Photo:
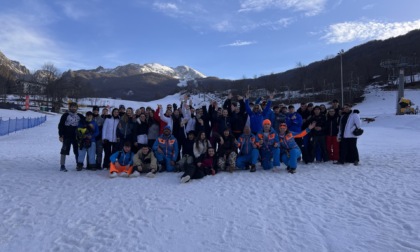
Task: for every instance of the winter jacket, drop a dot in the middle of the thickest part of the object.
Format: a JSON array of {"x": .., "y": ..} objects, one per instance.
[
  {"x": 100, "y": 122},
  {"x": 200, "y": 147},
  {"x": 295, "y": 124},
  {"x": 109, "y": 130},
  {"x": 267, "y": 142},
  {"x": 332, "y": 124},
  {"x": 229, "y": 145},
  {"x": 246, "y": 144},
  {"x": 256, "y": 118},
  {"x": 141, "y": 159},
  {"x": 348, "y": 123},
  {"x": 320, "y": 122},
  {"x": 287, "y": 140},
  {"x": 124, "y": 158},
  {"x": 169, "y": 146}
]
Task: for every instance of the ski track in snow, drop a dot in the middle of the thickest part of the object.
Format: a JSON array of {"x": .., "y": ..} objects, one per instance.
[{"x": 324, "y": 207}]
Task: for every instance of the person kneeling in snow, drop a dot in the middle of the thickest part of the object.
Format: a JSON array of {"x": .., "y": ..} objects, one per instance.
[
  {"x": 144, "y": 162},
  {"x": 248, "y": 152},
  {"x": 289, "y": 150},
  {"x": 122, "y": 162},
  {"x": 206, "y": 166},
  {"x": 166, "y": 150}
]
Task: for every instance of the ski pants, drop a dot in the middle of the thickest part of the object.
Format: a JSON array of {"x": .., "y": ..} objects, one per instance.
[
  {"x": 270, "y": 158},
  {"x": 165, "y": 160},
  {"x": 250, "y": 158},
  {"x": 123, "y": 168},
  {"x": 290, "y": 157}
]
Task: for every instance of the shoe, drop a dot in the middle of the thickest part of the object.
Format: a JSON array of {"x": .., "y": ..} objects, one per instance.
[
  {"x": 231, "y": 168},
  {"x": 79, "y": 166},
  {"x": 113, "y": 175},
  {"x": 292, "y": 171},
  {"x": 253, "y": 168},
  {"x": 276, "y": 169},
  {"x": 356, "y": 163},
  {"x": 338, "y": 162},
  {"x": 63, "y": 168},
  {"x": 123, "y": 174},
  {"x": 185, "y": 179},
  {"x": 134, "y": 174},
  {"x": 150, "y": 175},
  {"x": 288, "y": 168}
]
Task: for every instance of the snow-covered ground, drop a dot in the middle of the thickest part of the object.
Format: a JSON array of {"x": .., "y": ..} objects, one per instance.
[{"x": 324, "y": 207}]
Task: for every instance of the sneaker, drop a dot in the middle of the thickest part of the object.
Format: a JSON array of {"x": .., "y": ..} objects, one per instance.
[
  {"x": 288, "y": 168},
  {"x": 292, "y": 171},
  {"x": 276, "y": 169},
  {"x": 356, "y": 163},
  {"x": 134, "y": 174},
  {"x": 253, "y": 168},
  {"x": 150, "y": 175},
  {"x": 185, "y": 179},
  {"x": 63, "y": 168},
  {"x": 113, "y": 175},
  {"x": 124, "y": 174}
]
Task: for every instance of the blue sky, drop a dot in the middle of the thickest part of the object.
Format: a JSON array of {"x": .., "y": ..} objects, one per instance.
[{"x": 227, "y": 39}]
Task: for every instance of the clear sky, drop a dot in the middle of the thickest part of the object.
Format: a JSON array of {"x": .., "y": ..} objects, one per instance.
[{"x": 223, "y": 38}]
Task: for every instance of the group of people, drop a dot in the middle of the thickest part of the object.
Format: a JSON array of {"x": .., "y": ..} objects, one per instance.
[{"x": 206, "y": 140}]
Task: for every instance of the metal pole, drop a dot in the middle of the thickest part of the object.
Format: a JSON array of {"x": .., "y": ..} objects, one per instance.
[
  {"x": 341, "y": 67},
  {"x": 400, "y": 91}
]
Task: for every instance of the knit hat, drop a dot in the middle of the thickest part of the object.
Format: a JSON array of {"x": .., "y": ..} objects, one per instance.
[
  {"x": 95, "y": 108},
  {"x": 266, "y": 122},
  {"x": 167, "y": 127}
]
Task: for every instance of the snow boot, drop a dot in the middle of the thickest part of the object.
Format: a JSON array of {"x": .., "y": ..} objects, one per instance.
[
  {"x": 185, "y": 179},
  {"x": 113, "y": 175},
  {"x": 253, "y": 168},
  {"x": 79, "y": 166},
  {"x": 63, "y": 168}
]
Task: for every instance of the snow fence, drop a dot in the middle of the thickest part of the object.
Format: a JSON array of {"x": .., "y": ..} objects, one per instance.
[{"x": 13, "y": 125}]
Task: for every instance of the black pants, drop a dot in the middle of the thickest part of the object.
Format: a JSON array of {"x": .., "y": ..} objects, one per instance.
[
  {"x": 194, "y": 172},
  {"x": 67, "y": 143},
  {"x": 348, "y": 150},
  {"x": 109, "y": 149}
]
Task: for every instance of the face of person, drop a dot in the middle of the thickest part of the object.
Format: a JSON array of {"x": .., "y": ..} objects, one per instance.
[
  {"x": 143, "y": 117},
  {"x": 73, "y": 109},
  {"x": 317, "y": 111},
  {"x": 191, "y": 136},
  {"x": 225, "y": 113},
  {"x": 89, "y": 118},
  {"x": 127, "y": 148},
  {"x": 104, "y": 111},
  {"x": 145, "y": 150},
  {"x": 291, "y": 110},
  {"x": 95, "y": 112},
  {"x": 166, "y": 132},
  {"x": 115, "y": 112},
  {"x": 203, "y": 135},
  {"x": 226, "y": 132},
  {"x": 331, "y": 112},
  {"x": 129, "y": 112},
  {"x": 211, "y": 152},
  {"x": 247, "y": 130},
  {"x": 266, "y": 127}
]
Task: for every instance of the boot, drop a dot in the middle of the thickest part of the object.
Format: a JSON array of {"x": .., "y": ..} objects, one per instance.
[
  {"x": 79, "y": 166},
  {"x": 253, "y": 168}
]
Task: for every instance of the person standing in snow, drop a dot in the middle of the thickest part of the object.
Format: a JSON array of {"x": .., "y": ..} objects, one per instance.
[
  {"x": 109, "y": 136},
  {"x": 349, "y": 121},
  {"x": 67, "y": 128},
  {"x": 99, "y": 144},
  {"x": 86, "y": 137}
]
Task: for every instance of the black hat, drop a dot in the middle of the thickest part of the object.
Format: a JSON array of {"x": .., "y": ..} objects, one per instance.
[
  {"x": 122, "y": 106},
  {"x": 95, "y": 108},
  {"x": 191, "y": 132},
  {"x": 89, "y": 113}
]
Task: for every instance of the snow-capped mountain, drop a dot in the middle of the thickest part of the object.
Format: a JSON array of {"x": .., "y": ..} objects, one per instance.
[
  {"x": 179, "y": 72},
  {"x": 14, "y": 66}
]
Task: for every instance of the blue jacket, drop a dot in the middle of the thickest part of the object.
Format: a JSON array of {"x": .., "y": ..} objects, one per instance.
[
  {"x": 122, "y": 157},
  {"x": 287, "y": 141},
  {"x": 256, "y": 118},
  {"x": 90, "y": 129},
  {"x": 294, "y": 125},
  {"x": 245, "y": 144},
  {"x": 169, "y": 146},
  {"x": 267, "y": 143}
]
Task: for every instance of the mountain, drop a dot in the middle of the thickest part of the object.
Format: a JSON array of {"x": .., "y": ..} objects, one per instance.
[{"x": 15, "y": 67}]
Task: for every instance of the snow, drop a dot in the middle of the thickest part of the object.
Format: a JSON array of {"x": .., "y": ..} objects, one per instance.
[{"x": 324, "y": 207}]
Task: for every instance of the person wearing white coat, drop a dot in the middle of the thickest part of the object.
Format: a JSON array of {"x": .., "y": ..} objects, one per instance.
[
  {"x": 109, "y": 136},
  {"x": 349, "y": 121}
]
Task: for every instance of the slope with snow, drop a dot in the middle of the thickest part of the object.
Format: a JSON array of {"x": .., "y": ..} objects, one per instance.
[{"x": 324, "y": 207}]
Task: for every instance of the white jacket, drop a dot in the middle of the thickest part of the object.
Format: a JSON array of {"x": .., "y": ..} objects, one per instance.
[
  {"x": 352, "y": 122},
  {"x": 109, "y": 130}
]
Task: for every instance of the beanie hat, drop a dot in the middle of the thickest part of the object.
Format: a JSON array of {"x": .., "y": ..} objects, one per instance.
[
  {"x": 95, "y": 108},
  {"x": 266, "y": 122},
  {"x": 167, "y": 127}
]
